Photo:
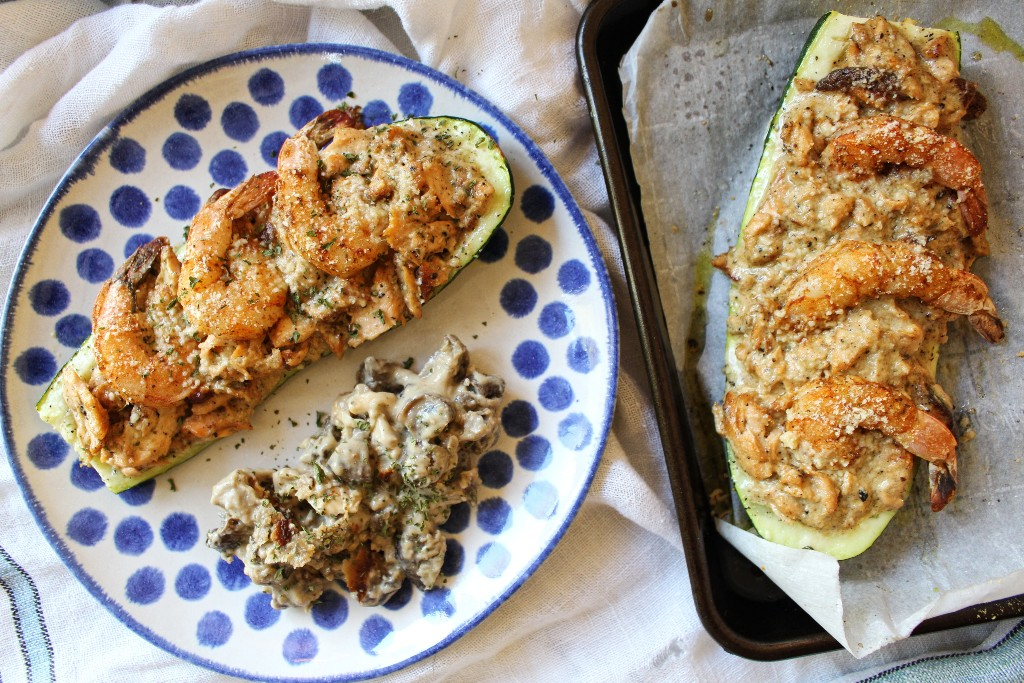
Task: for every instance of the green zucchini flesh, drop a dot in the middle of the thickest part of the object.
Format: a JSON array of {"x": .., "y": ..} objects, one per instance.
[
  {"x": 823, "y": 48},
  {"x": 470, "y": 144}
]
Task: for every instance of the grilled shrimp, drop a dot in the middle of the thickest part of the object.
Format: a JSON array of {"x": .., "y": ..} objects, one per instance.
[
  {"x": 870, "y": 144},
  {"x": 823, "y": 420},
  {"x": 826, "y": 414},
  {"x": 749, "y": 428},
  {"x": 139, "y": 339},
  {"x": 851, "y": 271},
  {"x": 340, "y": 240},
  {"x": 229, "y": 286}
]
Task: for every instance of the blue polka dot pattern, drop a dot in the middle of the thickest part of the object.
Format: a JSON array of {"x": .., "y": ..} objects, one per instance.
[
  {"x": 72, "y": 330},
  {"x": 533, "y": 254},
  {"x": 376, "y": 112},
  {"x": 232, "y": 575},
  {"x": 49, "y": 297},
  {"x": 303, "y": 110},
  {"x": 127, "y": 156},
  {"x": 87, "y": 526},
  {"x": 583, "y": 355},
  {"x": 145, "y": 586},
  {"x": 540, "y": 499},
  {"x": 228, "y": 168},
  {"x": 330, "y": 611},
  {"x": 458, "y": 519},
  {"x": 94, "y": 265},
  {"x": 496, "y": 247},
  {"x": 179, "y": 531},
  {"x": 47, "y": 450},
  {"x": 575, "y": 432},
  {"x": 492, "y": 559},
  {"x": 400, "y": 598},
  {"x": 555, "y": 394},
  {"x": 259, "y": 613},
  {"x": 518, "y": 297},
  {"x": 530, "y": 359},
  {"x": 181, "y": 151},
  {"x": 130, "y": 206},
  {"x": 518, "y": 418},
  {"x": 133, "y": 536},
  {"x": 35, "y": 366},
  {"x": 495, "y": 469},
  {"x": 214, "y": 629},
  {"x": 573, "y": 277},
  {"x": 373, "y": 632},
  {"x": 266, "y": 87},
  {"x": 537, "y": 203},
  {"x": 492, "y": 515},
  {"x": 300, "y": 646},
  {"x": 136, "y": 241},
  {"x": 334, "y": 81},
  {"x": 454, "y": 556},
  {"x": 437, "y": 603},
  {"x": 193, "y": 582},
  {"x": 139, "y": 494},
  {"x": 271, "y": 145},
  {"x": 192, "y": 112},
  {"x": 534, "y": 453},
  {"x": 239, "y": 121},
  {"x": 181, "y": 203},
  {"x": 414, "y": 99},
  {"x": 85, "y": 478},
  {"x": 80, "y": 223},
  {"x": 556, "y": 320}
]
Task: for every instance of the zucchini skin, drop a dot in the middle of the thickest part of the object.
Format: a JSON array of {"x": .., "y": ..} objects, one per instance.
[
  {"x": 480, "y": 148},
  {"x": 824, "y": 45}
]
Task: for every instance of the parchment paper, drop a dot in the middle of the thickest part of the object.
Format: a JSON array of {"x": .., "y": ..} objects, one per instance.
[{"x": 700, "y": 86}]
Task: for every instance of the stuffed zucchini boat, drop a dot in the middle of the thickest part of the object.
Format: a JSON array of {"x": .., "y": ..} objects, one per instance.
[
  {"x": 863, "y": 219},
  {"x": 356, "y": 230}
]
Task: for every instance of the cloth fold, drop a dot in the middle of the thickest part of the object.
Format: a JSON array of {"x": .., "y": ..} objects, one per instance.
[{"x": 613, "y": 601}]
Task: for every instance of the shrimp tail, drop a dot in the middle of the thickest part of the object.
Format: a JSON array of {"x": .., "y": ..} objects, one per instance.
[
  {"x": 942, "y": 481},
  {"x": 931, "y": 440},
  {"x": 942, "y": 477},
  {"x": 134, "y": 270},
  {"x": 988, "y": 325},
  {"x": 321, "y": 129}
]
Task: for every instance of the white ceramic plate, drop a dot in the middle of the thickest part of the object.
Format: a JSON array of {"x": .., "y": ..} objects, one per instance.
[{"x": 536, "y": 308}]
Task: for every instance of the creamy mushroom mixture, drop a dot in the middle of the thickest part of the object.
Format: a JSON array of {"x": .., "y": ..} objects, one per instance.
[{"x": 365, "y": 501}]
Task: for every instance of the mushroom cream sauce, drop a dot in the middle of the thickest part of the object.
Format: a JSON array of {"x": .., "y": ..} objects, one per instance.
[
  {"x": 365, "y": 500},
  {"x": 845, "y": 279}
]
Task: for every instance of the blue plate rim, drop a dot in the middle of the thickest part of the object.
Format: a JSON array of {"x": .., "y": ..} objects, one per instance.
[{"x": 82, "y": 167}]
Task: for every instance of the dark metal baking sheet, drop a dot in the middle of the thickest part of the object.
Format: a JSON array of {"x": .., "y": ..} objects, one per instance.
[{"x": 739, "y": 606}]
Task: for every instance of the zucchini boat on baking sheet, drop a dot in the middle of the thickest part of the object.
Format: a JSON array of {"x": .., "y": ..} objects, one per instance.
[
  {"x": 354, "y": 232},
  {"x": 864, "y": 217}
]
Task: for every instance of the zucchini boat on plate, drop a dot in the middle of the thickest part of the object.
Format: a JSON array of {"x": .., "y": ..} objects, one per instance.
[
  {"x": 863, "y": 220},
  {"x": 354, "y": 232}
]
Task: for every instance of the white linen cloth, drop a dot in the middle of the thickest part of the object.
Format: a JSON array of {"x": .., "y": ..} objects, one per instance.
[{"x": 613, "y": 601}]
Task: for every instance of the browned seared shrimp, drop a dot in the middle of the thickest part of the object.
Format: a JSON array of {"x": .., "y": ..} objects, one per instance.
[
  {"x": 851, "y": 271},
  {"x": 229, "y": 286},
  {"x": 340, "y": 240},
  {"x": 137, "y": 331},
  {"x": 748, "y": 427},
  {"x": 869, "y": 144},
  {"x": 826, "y": 415}
]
